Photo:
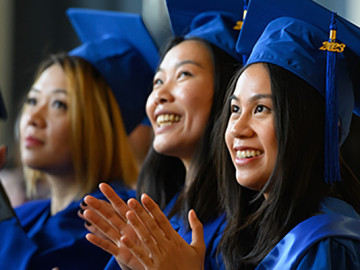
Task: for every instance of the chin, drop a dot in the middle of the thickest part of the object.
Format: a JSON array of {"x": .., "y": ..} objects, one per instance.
[{"x": 162, "y": 148}]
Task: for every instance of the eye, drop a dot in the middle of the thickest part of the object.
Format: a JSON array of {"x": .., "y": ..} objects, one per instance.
[
  {"x": 234, "y": 108},
  {"x": 183, "y": 74},
  {"x": 30, "y": 101},
  {"x": 157, "y": 81},
  {"x": 60, "y": 104},
  {"x": 261, "y": 108}
]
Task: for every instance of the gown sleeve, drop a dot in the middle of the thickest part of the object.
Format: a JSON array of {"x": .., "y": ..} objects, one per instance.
[{"x": 334, "y": 253}]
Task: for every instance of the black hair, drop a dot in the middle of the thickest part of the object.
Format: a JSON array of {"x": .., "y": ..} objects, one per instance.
[
  {"x": 296, "y": 186},
  {"x": 163, "y": 176}
]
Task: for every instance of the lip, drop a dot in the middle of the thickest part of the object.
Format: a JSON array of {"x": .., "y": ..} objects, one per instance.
[
  {"x": 246, "y": 161},
  {"x": 31, "y": 141},
  {"x": 163, "y": 111},
  {"x": 159, "y": 129}
]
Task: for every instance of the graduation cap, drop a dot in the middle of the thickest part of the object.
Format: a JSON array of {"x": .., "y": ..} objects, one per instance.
[
  {"x": 183, "y": 12},
  {"x": 119, "y": 46},
  {"x": 218, "y": 29},
  {"x": 3, "y": 113},
  {"x": 318, "y": 46}
]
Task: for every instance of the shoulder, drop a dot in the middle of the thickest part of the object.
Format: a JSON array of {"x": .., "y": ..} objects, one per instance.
[
  {"x": 316, "y": 239},
  {"x": 332, "y": 253},
  {"x": 31, "y": 209},
  {"x": 330, "y": 205}
]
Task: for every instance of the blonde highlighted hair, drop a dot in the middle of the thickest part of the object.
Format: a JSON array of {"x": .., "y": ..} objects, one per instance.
[{"x": 99, "y": 143}]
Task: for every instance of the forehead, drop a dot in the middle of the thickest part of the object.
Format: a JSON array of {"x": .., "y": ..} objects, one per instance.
[
  {"x": 188, "y": 50},
  {"x": 51, "y": 78},
  {"x": 254, "y": 79}
]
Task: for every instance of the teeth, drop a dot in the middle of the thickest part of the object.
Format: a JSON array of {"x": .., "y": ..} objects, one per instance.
[
  {"x": 167, "y": 119},
  {"x": 247, "y": 154}
]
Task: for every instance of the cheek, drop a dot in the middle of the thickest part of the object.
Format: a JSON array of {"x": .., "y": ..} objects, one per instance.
[
  {"x": 271, "y": 142},
  {"x": 149, "y": 106},
  {"x": 62, "y": 132}
]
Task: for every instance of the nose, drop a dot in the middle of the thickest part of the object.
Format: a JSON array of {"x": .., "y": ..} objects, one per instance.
[
  {"x": 163, "y": 94},
  {"x": 36, "y": 116},
  {"x": 241, "y": 127}
]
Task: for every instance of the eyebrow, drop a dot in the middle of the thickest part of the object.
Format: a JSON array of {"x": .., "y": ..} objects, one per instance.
[
  {"x": 184, "y": 63},
  {"x": 253, "y": 98},
  {"x": 188, "y": 62},
  {"x": 56, "y": 91}
]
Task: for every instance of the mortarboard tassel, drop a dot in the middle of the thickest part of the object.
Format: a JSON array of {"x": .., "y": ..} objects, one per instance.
[{"x": 332, "y": 166}]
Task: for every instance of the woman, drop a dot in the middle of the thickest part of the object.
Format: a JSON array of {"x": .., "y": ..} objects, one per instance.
[
  {"x": 72, "y": 135},
  {"x": 283, "y": 210},
  {"x": 178, "y": 173}
]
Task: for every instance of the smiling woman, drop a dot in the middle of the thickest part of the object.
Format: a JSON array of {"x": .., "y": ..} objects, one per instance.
[
  {"x": 179, "y": 172},
  {"x": 295, "y": 203},
  {"x": 180, "y": 103},
  {"x": 250, "y": 135}
]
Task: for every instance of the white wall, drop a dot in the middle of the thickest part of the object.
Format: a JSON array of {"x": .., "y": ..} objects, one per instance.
[{"x": 349, "y": 9}]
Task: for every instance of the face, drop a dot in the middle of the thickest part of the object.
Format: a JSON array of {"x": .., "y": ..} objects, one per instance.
[
  {"x": 181, "y": 100},
  {"x": 45, "y": 124},
  {"x": 250, "y": 134}
]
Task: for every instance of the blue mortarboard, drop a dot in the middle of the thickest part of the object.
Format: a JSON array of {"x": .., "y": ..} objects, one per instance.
[
  {"x": 183, "y": 12},
  {"x": 300, "y": 43},
  {"x": 3, "y": 113},
  {"x": 119, "y": 46},
  {"x": 218, "y": 29}
]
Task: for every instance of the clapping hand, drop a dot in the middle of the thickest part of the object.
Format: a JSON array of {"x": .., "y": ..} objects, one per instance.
[
  {"x": 106, "y": 223},
  {"x": 161, "y": 246}
]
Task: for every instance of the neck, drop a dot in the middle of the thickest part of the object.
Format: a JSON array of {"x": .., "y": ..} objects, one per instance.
[
  {"x": 64, "y": 189},
  {"x": 187, "y": 169}
]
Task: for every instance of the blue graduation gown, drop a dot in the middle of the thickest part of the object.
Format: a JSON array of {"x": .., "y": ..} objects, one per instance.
[
  {"x": 37, "y": 240},
  {"x": 327, "y": 241},
  {"x": 212, "y": 234}
]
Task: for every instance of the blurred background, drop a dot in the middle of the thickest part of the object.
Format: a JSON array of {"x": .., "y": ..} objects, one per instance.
[{"x": 30, "y": 30}]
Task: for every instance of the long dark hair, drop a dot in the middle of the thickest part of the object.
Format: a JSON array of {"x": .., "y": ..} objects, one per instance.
[
  {"x": 162, "y": 176},
  {"x": 296, "y": 186}
]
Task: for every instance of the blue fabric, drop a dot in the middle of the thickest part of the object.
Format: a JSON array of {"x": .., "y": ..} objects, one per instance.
[
  {"x": 37, "y": 240},
  {"x": 183, "y": 12},
  {"x": 213, "y": 231},
  {"x": 217, "y": 28},
  {"x": 119, "y": 46},
  {"x": 327, "y": 241}
]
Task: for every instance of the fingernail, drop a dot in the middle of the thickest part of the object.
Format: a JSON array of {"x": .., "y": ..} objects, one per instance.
[
  {"x": 83, "y": 203},
  {"x": 87, "y": 223},
  {"x": 81, "y": 211}
]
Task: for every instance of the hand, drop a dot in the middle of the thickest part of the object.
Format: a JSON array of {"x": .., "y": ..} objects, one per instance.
[
  {"x": 107, "y": 222},
  {"x": 161, "y": 246}
]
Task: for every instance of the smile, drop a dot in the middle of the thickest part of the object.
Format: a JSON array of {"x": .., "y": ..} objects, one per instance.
[
  {"x": 247, "y": 154},
  {"x": 164, "y": 120}
]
